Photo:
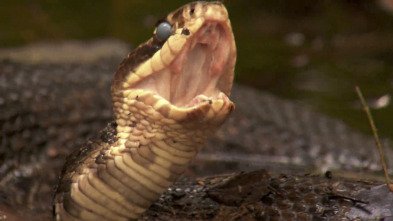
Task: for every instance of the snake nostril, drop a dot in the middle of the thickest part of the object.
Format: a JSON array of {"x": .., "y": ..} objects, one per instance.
[{"x": 185, "y": 31}]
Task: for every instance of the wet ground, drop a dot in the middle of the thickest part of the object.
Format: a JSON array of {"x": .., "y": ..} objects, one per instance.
[{"x": 49, "y": 109}]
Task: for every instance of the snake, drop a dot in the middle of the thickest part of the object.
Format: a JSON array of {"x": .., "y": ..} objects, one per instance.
[
  {"x": 48, "y": 108},
  {"x": 169, "y": 95}
]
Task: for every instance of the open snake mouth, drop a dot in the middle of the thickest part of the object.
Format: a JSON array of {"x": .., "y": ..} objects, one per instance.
[
  {"x": 199, "y": 72},
  {"x": 187, "y": 72},
  {"x": 198, "y": 69},
  {"x": 193, "y": 66}
]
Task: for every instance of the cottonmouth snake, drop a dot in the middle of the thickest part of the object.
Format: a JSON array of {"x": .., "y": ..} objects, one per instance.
[
  {"x": 275, "y": 133},
  {"x": 169, "y": 95}
]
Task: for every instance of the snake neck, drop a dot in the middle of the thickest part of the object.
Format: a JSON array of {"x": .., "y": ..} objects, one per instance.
[{"x": 146, "y": 121}]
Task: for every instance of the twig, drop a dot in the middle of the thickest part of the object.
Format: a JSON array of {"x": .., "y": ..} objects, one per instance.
[{"x": 376, "y": 137}]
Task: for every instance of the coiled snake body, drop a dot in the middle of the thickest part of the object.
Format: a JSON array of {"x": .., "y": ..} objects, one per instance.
[{"x": 168, "y": 97}]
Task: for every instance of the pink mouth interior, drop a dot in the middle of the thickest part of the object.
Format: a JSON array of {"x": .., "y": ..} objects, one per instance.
[{"x": 194, "y": 76}]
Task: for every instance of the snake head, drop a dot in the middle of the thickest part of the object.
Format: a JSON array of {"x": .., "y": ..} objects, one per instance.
[{"x": 185, "y": 72}]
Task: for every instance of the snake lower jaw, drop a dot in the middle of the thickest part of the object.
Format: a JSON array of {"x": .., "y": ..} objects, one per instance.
[
  {"x": 209, "y": 110},
  {"x": 218, "y": 103}
]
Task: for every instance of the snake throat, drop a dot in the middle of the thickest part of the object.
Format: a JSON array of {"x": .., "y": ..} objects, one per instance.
[{"x": 168, "y": 98}]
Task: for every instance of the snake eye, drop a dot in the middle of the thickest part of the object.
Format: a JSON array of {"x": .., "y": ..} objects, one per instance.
[{"x": 164, "y": 30}]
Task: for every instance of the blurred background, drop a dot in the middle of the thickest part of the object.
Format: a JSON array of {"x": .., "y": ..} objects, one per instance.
[{"x": 310, "y": 51}]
